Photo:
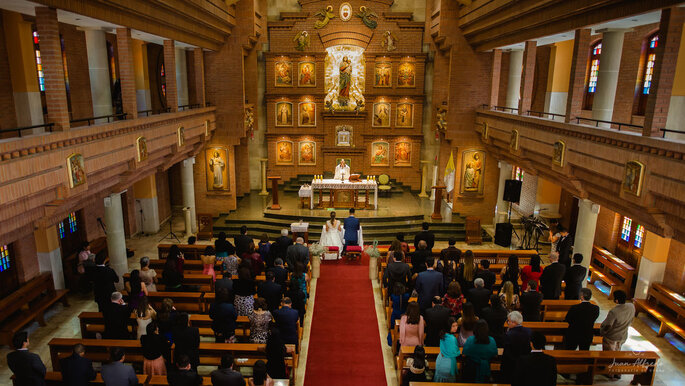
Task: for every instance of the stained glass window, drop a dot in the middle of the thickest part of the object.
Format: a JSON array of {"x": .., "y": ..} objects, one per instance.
[
  {"x": 625, "y": 228},
  {"x": 518, "y": 174},
  {"x": 60, "y": 229},
  {"x": 649, "y": 69},
  {"x": 72, "y": 222},
  {"x": 639, "y": 236},
  {"x": 39, "y": 62},
  {"x": 594, "y": 67},
  {"x": 4, "y": 258}
]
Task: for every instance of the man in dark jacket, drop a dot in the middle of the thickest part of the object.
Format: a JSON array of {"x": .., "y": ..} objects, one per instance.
[
  {"x": 550, "y": 280},
  {"x": 280, "y": 273},
  {"x": 116, "y": 373},
  {"x": 581, "y": 323},
  {"x": 186, "y": 339},
  {"x": 489, "y": 277},
  {"x": 536, "y": 368},
  {"x": 429, "y": 284},
  {"x": 419, "y": 257},
  {"x": 397, "y": 271},
  {"x": 516, "y": 344},
  {"x": 451, "y": 253},
  {"x": 103, "y": 279},
  {"x": 27, "y": 367},
  {"x": 270, "y": 291},
  {"x": 225, "y": 375},
  {"x": 117, "y": 315},
  {"x": 242, "y": 242},
  {"x": 574, "y": 278},
  {"x": 280, "y": 246},
  {"x": 479, "y": 296},
  {"x": 287, "y": 321},
  {"x": 530, "y": 302},
  {"x": 426, "y": 236},
  {"x": 183, "y": 375},
  {"x": 77, "y": 370},
  {"x": 564, "y": 246},
  {"x": 495, "y": 315},
  {"x": 436, "y": 320},
  {"x": 297, "y": 252}
]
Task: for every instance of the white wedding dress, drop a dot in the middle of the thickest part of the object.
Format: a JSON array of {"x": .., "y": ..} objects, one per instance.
[{"x": 332, "y": 237}]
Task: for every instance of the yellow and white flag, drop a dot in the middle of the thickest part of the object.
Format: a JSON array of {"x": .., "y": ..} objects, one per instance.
[{"x": 450, "y": 171}]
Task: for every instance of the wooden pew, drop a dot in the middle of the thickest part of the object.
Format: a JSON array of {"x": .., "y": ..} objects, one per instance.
[
  {"x": 183, "y": 301},
  {"x": 194, "y": 266},
  {"x": 54, "y": 378},
  {"x": 667, "y": 306},
  {"x": 190, "y": 252},
  {"x": 203, "y": 282},
  {"x": 613, "y": 271},
  {"x": 28, "y": 304}
]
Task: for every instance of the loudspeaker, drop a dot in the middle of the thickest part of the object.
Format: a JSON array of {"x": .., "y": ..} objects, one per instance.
[
  {"x": 512, "y": 190},
  {"x": 503, "y": 234}
]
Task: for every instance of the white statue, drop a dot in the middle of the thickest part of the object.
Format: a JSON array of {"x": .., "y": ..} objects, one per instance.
[
  {"x": 342, "y": 171},
  {"x": 217, "y": 165}
]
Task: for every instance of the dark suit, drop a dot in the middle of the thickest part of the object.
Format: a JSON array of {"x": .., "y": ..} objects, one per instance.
[
  {"x": 224, "y": 282},
  {"x": 77, "y": 370},
  {"x": 227, "y": 377},
  {"x": 280, "y": 275},
  {"x": 271, "y": 292},
  {"x": 436, "y": 320},
  {"x": 351, "y": 226},
  {"x": 564, "y": 246},
  {"x": 184, "y": 378},
  {"x": 418, "y": 260},
  {"x": 581, "y": 321},
  {"x": 428, "y": 284},
  {"x": 574, "y": 281},
  {"x": 396, "y": 272},
  {"x": 550, "y": 280},
  {"x": 426, "y": 236},
  {"x": 495, "y": 317},
  {"x": 280, "y": 247},
  {"x": 187, "y": 341},
  {"x": 450, "y": 253},
  {"x": 117, "y": 319},
  {"x": 536, "y": 368},
  {"x": 516, "y": 344},
  {"x": 286, "y": 319},
  {"x": 480, "y": 297},
  {"x": 27, "y": 367},
  {"x": 489, "y": 277},
  {"x": 295, "y": 253},
  {"x": 103, "y": 284},
  {"x": 530, "y": 305},
  {"x": 242, "y": 244},
  {"x": 118, "y": 374}
]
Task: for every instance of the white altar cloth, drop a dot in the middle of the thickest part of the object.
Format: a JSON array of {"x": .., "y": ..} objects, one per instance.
[{"x": 331, "y": 183}]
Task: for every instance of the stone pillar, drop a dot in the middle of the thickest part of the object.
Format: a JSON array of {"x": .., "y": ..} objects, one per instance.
[
  {"x": 652, "y": 264},
  {"x": 140, "y": 64},
  {"x": 188, "y": 186},
  {"x": 576, "y": 85},
  {"x": 170, "y": 75},
  {"x": 127, "y": 72},
  {"x": 199, "y": 67},
  {"x": 145, "y": 193},
  {"x": 676, "y": 110},
  {"x": 49, "y": 254},
  {"x": 264, "y": 192},
  {"x": 116, "y": 238},
  {"x": 559, "y": 72},
  {"x": 181, "y": 76},
  {"x": 502, "y": 208},
  {"x": 607, "y": 77},
  {"x": 495, "y": 76},
  {"x": 585, "y": 230},
  {"x": 514, "y": 85},
  {"x": 670, "y": 33},
  {"x": 98, "y": 69},
  {"x": 53, "y": 67},
  {"x": 527, "y": 77}
]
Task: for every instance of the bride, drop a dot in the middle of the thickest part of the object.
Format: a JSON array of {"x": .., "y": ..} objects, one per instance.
[{"x": 331, "y": 235}]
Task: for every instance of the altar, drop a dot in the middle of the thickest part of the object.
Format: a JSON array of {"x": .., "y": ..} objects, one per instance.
[{"x": 344, "y": 194}]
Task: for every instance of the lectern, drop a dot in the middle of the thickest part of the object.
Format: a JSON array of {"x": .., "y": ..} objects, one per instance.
[
  {"x": 274, "y": 192},
  {"x": 438, "y": 203}
]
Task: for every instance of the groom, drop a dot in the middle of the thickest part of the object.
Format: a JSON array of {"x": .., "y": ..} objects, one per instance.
[{"x": 351, "y": 225}]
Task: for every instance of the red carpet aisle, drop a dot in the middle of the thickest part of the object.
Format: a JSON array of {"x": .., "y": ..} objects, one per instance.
[{"x": 344, "y": 347}]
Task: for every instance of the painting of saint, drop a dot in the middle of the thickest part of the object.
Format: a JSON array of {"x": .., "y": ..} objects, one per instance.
[
  {"x": 559, "y": 153},
  {"x": 307, "y": 114},
  {"x": 181, "y": 134},
  {"x": 141, "y": 146},
  {"x": 307, "y": 155},
  {"x": 345, "y": 81},
  {"x": 307, "y": 74},
  {"x": 383, "y": 76},
  {"x": 514, "y": 141},
  {"x": 473, "y": 163},
  {"x": 76, "y": 169},
  {"x": 217, "y": 168},
  {"x": 406, "y": 75},
  {"x": 284, "y": 153},
  {"x": 381, "y": 115},
  {"x": 632, "y": 177},
  {"x": 403, "y": 154},
  {"x": 284, "y": 114},
  {"x": 284, "y": 74},
  {"x": 380, "y": 154},
  {"x": 405, "y": 115}
]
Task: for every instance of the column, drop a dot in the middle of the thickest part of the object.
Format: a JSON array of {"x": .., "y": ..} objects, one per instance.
[
  {"x": 576, "y": 85},
  {"x": 495, "y": 77},
  {"x": 199, "y": 65},
  {"x": 181, "y": 76},
  {"x": 585, "y": 230},
  {"x": 127, "y": 72},
  {"x": 502, "y": 208},
  {"x": 143, "y": 97},
  {"x": 116, "y": 238},
  {"x": 49, "y": 254},
  {"x": 98, "y": 69},
  {"x": 145, "y": 193},
  {"x": 514, "y": 85},
  {"x": 559, "y": 73},
  {"x": 188, "y": 185},
  {"x": 676, "y": 110},
  {"x": 170, "y": 75},
  {"x": 53, "y": 67},
  {"x": 653, "y": 262},
  {"x": 262, "y": 165},
  {"x": 607, "y": 77},
  {"x": 527, "y": 77},
  {"x": 22, "y": 66},
  {"x": 670, "y": 33},
  {"x": 424, "y": 177}
]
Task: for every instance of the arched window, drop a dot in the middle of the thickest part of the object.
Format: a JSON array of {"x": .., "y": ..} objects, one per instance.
[
  {"x": 645, "y": 84},
  {"x": 593, "y": 72}
]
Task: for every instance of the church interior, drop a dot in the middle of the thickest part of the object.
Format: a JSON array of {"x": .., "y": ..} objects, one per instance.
[{"x": 517, "y": 130}]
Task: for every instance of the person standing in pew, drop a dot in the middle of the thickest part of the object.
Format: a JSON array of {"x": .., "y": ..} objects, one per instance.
[
  {"x": 287, "y": 321},
  {"x": 156, "y": 351},
  {"x": 489, "y": 277},
  {"x": 280, "y": 246},
  {"x": 451, "y": 253},
  {"x": 425, "y": 235},
  {"x": 223, "y": 247},
  {"x": 27, "y": 367},
  {"x": 466, "y": 273},
  {"x": 226, "y": 282},
  {"x": 271, "y": 291},
  {"x": 186, "y": 339},
  {"x": 420, "y": 257},
  {"x": 280, "y": 273},
  {"x": 531, "y": 300},
  {"x": 147, "y": 274},
  {"x": 574, "y": 278},
  {"x": 297, "y": 252},
  {"x": 614, "y": 328},
  {"x": 412, "y": 326},
  {"x": 172, "y": 277},
  {"x": 516, "y": 344},
  {"x": 436, "y": 320},
  {"x": 532, "y": 272},
  {"x": 103, "y": 279},
  {"x": 479, "y": 350},
  {"x": 184, "y": 374},
  {"x": 552, "y": 275},
  {"x": 275, "y": 354},
  {"x": 397, "y": 271},
  {"x": 260, "y": 319},
  {"x": 116, "y": 373},
  {"x": 76, "y": 369},
  {"x": 478, "y": 296},
  {"x": 117, "y": 315},
  {"x": 429, "y": 284},
  {"x": 446, "y": 369},
  {"x": 259, "y": 375},
  {"x": 417, "y": 367},
  {"x": 244, "y": 289},
  {"x": 536, "y": 368},
  {"x": 511, "y": 272},
  {"x": 581, "y": 322},
  {"x": 242, "y": 242},
  {"x": 495, "y": 315},
  {"x": 225, "y": 375},
  {"x": 564, "y": 246},
  {"x": 223, "y": 317}
]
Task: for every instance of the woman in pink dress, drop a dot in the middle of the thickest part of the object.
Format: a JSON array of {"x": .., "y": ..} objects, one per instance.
[
  {"x": 208, "y": 260},
  {"x": 412, "y": 326}
]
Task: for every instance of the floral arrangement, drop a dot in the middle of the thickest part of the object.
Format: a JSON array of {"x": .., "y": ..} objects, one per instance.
[
  {"x": 316, "y": 249},
  {"x": 372, "y": 250}
]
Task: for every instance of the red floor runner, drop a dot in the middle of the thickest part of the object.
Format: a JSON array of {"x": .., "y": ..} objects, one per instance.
[{"x": 344, "y": 346}]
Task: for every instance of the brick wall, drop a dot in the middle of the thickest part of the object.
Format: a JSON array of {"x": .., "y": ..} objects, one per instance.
[
  {"x": 77, "y": 66},
  {"x": 541, "y": 75},
  {"x": 504, "y": 79},
  {"x": 190, "y": 66},
  {"x": 608, "y": 224},
  {"x": 529, "y": 189},
  {"x": 8, "y": 118},
  {"x": 26, "y": 258},
  {"x": 674, "y": 277}
]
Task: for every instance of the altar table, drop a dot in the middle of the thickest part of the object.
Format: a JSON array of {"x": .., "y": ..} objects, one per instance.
[{"x": 344, "y": 193}]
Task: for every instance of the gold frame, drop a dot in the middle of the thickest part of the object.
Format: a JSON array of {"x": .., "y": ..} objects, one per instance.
[
  {"x": 641, "y": 168},
  {"x": 514, "y": 140},
  {"x": 394, "y": 154},
  {"x": 399, "y": 67},
  {"x": 299, "y": 114},
  {"x": 375, "y": 72},
  {"x": 462, "y": 180},
  {"x": 397, "y": 114},
  {"x": 209, "y": 173},
  {"x": 299, "y": 153},
  {"x": 387, "y": 145},
  {"x": 292, "y": 118},
  {"x": 82, "y": 164},
  {"x": 299, "y": 68},
  {"x": 181, "y": 136},
  {"x": 562, "y": 159},
  {"x": 292, "y": 153},
  {"x": 373, "y": 114},
  {"x": 139, "y": 154},
  {"x": 276, "y": 76}
]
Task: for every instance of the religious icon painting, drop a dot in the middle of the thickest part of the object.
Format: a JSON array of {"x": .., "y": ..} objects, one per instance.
[
  {"x": 383, "y": 74},
  {"x": 307, "y": 114},
  {"x": 306, "y": 74},
  {"x": 514, "y": 141},
  {"x": 217, "y": 168},
  {"x": 403, "y": 153},
  {"x": 633, "y": 177},
  {"x": 284, "y": 152},
  {"x": 405, "y": 115},
  {"x": 473, "y": 167},
  {"x": 381, "y": 115},
  {"x": 380, "y": 153},
  {"x": 306, "y": 153},
  {"x": 284, "y": 114},
  {"x": 76, "y": 169},
  {"x": 284, "y": 73},
  {"x": 345, "y": 11},
  {"x": 559, "y": 153},
  {"x": 406, "y": 75},
  {"x": 181, "y": 136},
  {"x": 141, "y": 148}
]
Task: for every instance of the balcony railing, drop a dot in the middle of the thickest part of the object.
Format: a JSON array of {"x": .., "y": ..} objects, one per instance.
[
  {"x": 598, "y": 121},
  {"x": 153, "y": 112},
  {"x": 664, "y": 131},
  {"x": 542, "y": 114},
  {"x": 47, "y": 126},
  {"x": 91, "y": 120}
]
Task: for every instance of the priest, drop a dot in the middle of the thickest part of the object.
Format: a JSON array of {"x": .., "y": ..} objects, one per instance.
[{"x": 342, "y": 171}]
